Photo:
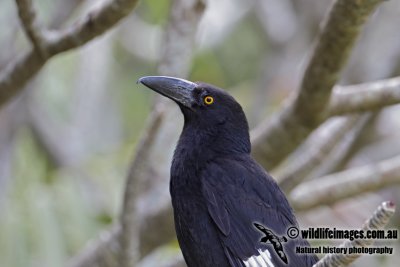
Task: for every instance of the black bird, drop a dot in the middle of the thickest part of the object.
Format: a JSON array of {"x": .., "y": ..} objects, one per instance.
[{"x": 218, "y": 190}]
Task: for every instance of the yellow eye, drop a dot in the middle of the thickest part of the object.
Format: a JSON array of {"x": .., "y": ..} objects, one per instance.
[{"x": 208, "y": 100}]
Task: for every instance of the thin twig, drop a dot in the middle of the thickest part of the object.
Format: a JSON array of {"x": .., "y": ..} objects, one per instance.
[
  {"x": 274, "y": 139},
  {"x": 321, "y": 144},
  {"x": 102, "y": 252},
  {"x": 164, "y": 256},
  {"x": 346, "y": 147},
  {"x": 27, "y": 15},
  {"x": 364, "y": 97},
  {"x": 331, "y": 188},
  {"x": 130, "y": 222},
  {"x": 377, "y": 221}
]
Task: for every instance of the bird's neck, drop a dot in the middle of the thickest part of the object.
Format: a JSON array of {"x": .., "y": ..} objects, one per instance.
[
  {"x": 197, "y": 147},
  {"x": 204, "y": 143}
]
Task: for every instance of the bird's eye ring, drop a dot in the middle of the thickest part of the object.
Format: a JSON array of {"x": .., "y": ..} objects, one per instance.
[{"x": 208, "y": 100}]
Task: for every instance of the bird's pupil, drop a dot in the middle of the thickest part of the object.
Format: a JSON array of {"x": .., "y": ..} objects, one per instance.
[{"x": 208, "y": 100}]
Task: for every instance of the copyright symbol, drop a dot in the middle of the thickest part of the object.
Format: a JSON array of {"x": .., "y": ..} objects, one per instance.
[{"x": 292, "y": 232}]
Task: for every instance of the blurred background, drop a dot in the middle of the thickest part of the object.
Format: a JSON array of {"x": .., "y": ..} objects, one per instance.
[{"x": 67, "y": 141}]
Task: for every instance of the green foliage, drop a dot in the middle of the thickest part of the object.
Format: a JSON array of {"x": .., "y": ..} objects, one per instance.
[
  {"x": 44, "y": 224},
  {"x": 154, "y": 11},
  {"x": 241, "y": 54}
]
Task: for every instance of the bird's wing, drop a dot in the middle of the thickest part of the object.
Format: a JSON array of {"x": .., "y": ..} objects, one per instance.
[{"x": 238, "y": 193}]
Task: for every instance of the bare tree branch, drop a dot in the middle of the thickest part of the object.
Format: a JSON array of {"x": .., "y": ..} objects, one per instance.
[
  {"x": 95, "y": 23},
  {"x": 178, "y": 50},
  {"x": 165, "y": 256},
  {"x": 377, "y": 221},
  {"x": 346, "y": 147},
  {"x": 364, "y": 97},
  {"x": 106, "y": 252},
  {"x": 345, "y": 99},
  {"x": 102, "y": 252},
  {"x": 27, "y": 16},
  {"x": 322, "y": 143},
  {"x": 129, "y": 219},
  {"x": 273, "y": 140},
  {"x": 179, "y": 39},
  {"x": 181, "y": 29},
  {"x": 331, "y": 188}
]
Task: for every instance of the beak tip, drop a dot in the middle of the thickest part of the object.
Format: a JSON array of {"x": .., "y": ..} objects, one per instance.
[{"x": 140, "y": 80}]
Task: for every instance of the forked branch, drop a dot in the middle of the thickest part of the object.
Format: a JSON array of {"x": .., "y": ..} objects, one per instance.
[{"x": 276, "y": 138}]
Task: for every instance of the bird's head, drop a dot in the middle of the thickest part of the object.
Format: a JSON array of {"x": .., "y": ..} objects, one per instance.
[{"x": 207, "y": 109}]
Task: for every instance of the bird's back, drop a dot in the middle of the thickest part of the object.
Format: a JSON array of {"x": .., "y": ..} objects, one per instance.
[{"x": 215, "y": 212}]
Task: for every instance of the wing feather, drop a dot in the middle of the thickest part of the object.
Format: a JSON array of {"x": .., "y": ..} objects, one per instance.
[
  {"x": 237, "y": 195},
  {"x": 217, "y": 212}
]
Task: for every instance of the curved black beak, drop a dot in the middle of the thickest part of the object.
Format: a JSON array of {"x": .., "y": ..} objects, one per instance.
[{"x": 179, "y": 90}]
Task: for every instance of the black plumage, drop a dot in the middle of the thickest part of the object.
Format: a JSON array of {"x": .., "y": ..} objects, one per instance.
[{"x": 218, "y": 190}]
